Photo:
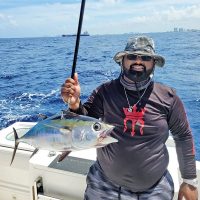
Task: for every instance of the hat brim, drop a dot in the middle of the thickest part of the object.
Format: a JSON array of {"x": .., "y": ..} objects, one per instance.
[{"x": 159, "y": 60}]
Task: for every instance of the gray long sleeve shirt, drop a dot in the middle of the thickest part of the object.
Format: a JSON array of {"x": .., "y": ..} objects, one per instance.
[{"x": 140, "y": 158}]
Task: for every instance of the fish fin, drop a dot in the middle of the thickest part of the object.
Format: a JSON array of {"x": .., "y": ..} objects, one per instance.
[
  {"x": 63, "y": 155},
  {"x": 34, "y": 152},
  {"x": 16, "y": 145},
  {"x": 63, "y": 114},
  {"x": 68, "y": 114},
  {"x": 65, "y": 130}
]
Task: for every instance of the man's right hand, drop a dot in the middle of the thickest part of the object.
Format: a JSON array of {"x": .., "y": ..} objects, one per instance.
[{"x": 70, "y": 92}]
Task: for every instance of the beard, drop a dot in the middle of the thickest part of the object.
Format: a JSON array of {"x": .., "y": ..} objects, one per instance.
[{"x": 137, "y": 75}]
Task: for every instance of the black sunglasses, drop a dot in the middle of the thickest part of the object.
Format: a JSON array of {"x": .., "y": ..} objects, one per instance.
[{"x": 142, "y": 57}]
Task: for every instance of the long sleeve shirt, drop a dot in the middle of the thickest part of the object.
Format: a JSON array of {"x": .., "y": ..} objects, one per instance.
[{"x": 140, "y": 157}]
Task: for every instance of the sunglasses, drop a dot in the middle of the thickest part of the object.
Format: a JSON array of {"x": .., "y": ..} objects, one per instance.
[{"x": 142, "y": 57}]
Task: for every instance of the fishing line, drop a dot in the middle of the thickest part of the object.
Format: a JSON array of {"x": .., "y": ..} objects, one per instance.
[{"x": 78, "y": 37}]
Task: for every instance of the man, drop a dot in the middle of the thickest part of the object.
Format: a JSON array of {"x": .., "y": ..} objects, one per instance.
[{"x": 142, "y": 112}]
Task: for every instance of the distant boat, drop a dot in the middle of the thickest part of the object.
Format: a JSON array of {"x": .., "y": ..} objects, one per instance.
[{"x": 73, "y": 35}]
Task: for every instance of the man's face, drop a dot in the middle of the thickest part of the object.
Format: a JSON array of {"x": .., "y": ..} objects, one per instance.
[{"x": 137, "y": 67}]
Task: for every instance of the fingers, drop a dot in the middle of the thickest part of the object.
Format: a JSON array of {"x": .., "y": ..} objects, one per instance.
[
  {"x": 74, "y": 80},
  {"x": 187, "y": 192},
  {"x": 70, "y": 90},
  {"x": 69, "y": 87},
  {"x": 180, "y": 196}
]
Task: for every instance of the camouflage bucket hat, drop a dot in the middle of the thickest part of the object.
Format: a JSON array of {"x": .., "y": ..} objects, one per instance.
[{"x": 141, "y": 45}]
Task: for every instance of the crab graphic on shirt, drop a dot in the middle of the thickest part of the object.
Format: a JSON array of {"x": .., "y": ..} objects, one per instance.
[{"x": 136, "y": 118}]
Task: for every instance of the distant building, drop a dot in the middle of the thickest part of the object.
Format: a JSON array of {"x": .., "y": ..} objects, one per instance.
[
  {"x": 175, "y": 29},
  {"x": 193, "y": 30},
  {"x": 178, "y": 29}
]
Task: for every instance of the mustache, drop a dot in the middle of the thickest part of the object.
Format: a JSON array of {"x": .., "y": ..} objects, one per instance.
[{"x": 133, "y": 65}]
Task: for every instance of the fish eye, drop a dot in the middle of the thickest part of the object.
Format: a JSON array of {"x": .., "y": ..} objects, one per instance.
[{"x": 97, "y": 126}]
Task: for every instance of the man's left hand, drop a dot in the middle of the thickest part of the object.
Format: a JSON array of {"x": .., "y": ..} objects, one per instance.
[{"x": 188, "y": 192}]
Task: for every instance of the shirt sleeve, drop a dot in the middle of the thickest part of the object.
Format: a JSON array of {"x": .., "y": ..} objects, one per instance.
[
  {"x": 181, "y": 132},
  {"x": 93, "y": 107}
]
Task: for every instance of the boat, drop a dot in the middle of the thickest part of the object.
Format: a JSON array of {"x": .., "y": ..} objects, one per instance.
[
  {"x": 42, "y": 178},
  {"x": 73, "y": 35}
]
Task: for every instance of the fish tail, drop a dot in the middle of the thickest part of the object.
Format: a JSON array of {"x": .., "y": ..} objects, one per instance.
[{"x": 16, "y": 145}]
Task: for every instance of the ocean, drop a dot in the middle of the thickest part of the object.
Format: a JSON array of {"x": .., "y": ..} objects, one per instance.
[{"x": 33, "y": 70}]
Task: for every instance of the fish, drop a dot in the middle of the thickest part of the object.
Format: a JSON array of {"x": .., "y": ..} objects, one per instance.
[{"x": 66, "y": 132}]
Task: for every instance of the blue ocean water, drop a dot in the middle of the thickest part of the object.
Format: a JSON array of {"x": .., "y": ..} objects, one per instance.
[{"x": 33, "y": 69}]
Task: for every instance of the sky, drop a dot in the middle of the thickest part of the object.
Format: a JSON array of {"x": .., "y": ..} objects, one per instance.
[{"x": 35, "y": 18}]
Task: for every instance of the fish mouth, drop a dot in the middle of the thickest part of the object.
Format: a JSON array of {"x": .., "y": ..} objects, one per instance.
[
  {"x": 105, "y": 134},
  {"x": 106, "y": 139}
]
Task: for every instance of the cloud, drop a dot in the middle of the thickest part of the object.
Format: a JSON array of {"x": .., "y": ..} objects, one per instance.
[
  {"x": 47, "y": 19},
  {"x": 7, "y": 20},
  {"x": 100, "y": 17},
  {"x": 145, "y": 17},
  {"x": 186, "y": 13}
]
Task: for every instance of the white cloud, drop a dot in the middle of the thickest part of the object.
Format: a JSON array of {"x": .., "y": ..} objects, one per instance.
[
  {"x": 148, "y": 16},
  {"x": 48, "y": 19},
  {"x": 174, "y": 14},
  {"x": 102, "y": 16},
  {"x": 6, "y": 20}
]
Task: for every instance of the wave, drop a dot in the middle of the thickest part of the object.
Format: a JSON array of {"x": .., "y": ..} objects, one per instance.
[
  {"x": 33, "y": 96},
  {"x": 10, "y": 119},
  {"x": 3, "y": 104},
  {"x": 26, "y": 106}
]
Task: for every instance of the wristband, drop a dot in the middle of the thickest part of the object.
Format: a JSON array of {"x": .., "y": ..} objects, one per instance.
[{"x": 193, "y": 182}]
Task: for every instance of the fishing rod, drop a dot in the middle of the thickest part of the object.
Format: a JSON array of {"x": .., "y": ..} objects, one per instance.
[{"x": 78, "y": 37}]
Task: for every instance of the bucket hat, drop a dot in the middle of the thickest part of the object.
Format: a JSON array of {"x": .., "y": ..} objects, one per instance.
[{"x": 141, "y": 45}]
